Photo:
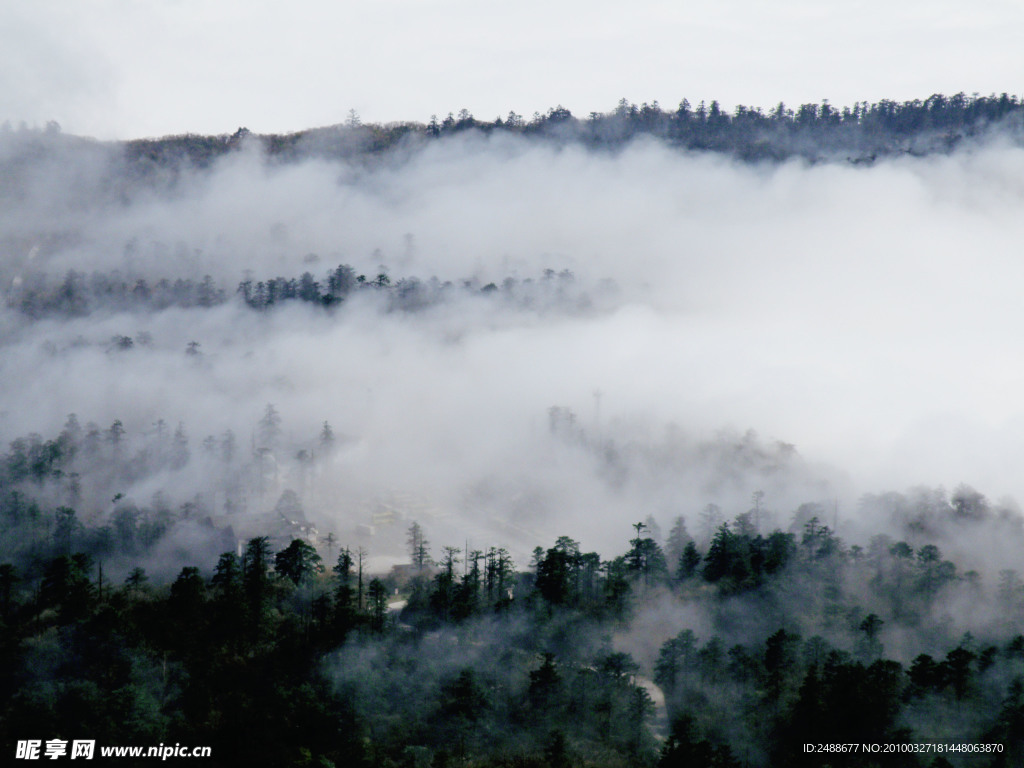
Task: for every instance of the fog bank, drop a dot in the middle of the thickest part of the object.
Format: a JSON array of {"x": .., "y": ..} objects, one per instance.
[{"x": 864, "y": 315}]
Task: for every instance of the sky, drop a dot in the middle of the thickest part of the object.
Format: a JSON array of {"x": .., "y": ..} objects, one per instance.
[{"x": 134, "y": 68}]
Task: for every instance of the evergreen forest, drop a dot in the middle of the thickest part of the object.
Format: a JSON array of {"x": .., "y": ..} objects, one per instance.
[{"x": 432, "y": 445}]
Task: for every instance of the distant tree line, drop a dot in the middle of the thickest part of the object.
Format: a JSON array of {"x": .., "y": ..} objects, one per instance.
[
  {"x": 861, "y": 131},
  {"x": 78, "y": 294},
  {"x": 72, "y": 492}
]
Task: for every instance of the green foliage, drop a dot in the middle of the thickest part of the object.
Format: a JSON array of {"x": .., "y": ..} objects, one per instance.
[
  {"x": 487, "y": 665},
  {"x": 684, "y": 749},
  {"x": 377, "y": 595},
  {"x": 66, "y": 586},
  {"x": 689, "y": 562},
  {"x": 298, "y": 562}
]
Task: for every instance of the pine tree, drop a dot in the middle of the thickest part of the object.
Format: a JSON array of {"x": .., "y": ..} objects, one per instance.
[{"x": 419, "y": 553}]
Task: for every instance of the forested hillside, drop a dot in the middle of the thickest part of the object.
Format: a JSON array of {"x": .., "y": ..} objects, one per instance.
[
  {"x": 861, "y": 132},
  {"x": 731, "y": 645},
  {"x": 654, "y": 437}
]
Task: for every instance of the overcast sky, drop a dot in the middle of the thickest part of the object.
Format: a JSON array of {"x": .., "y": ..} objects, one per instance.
[{"x": 128, "y": 68}]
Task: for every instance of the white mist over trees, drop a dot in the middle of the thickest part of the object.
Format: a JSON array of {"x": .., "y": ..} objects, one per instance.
[
  {"x": 862, "y": 314},
  {"x": 764, "y": 411}
]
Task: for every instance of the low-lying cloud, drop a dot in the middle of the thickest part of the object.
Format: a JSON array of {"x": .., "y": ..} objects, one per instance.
[{"x": 866, "y": 315}]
